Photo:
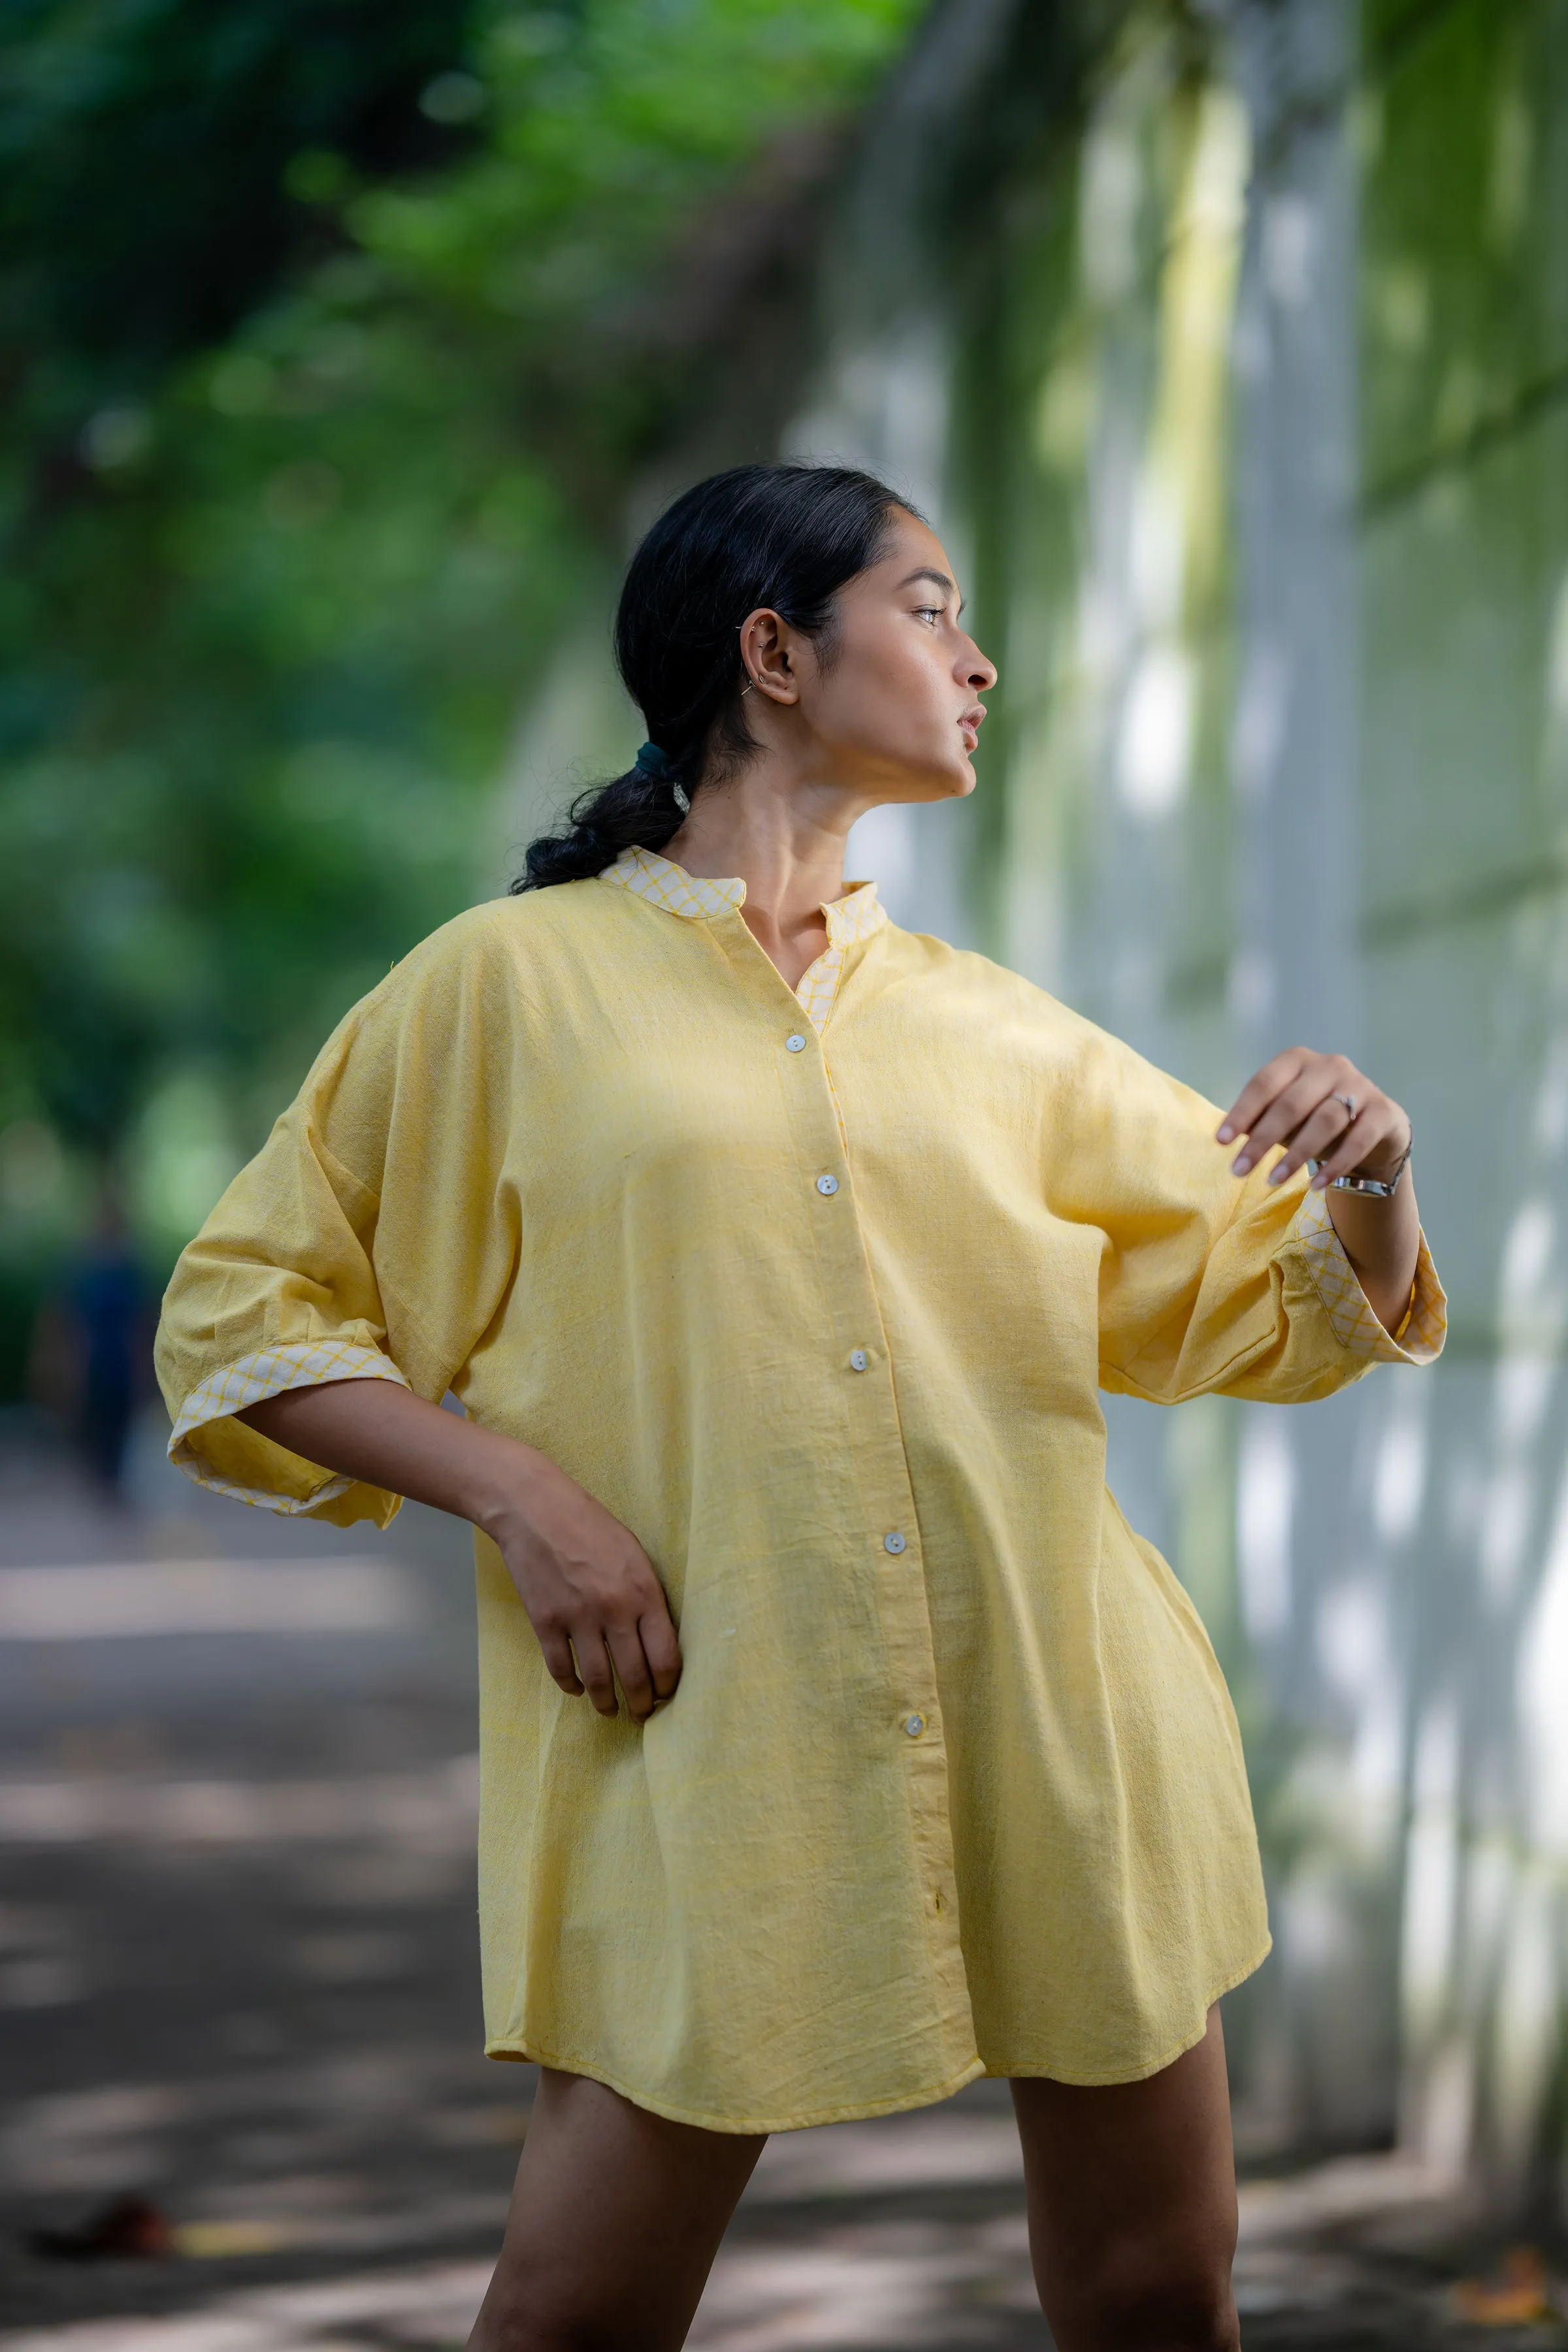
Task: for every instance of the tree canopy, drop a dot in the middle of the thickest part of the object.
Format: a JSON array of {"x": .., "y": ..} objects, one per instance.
[{"x": 330, "y": 336}]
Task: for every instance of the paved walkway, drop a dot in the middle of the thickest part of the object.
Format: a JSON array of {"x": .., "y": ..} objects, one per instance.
[{"x": 237, "y": 1977}]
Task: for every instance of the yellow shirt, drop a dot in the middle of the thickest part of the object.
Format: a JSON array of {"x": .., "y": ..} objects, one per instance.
[{"x": 814, "y": 1292}]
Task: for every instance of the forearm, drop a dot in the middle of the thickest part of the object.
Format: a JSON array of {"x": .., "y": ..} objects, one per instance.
[
  {"x": 1381, "y": 1240},
  {"x": 590, "y": 1590},
  {"x": 379, "y": 1432},
  {"x": 1326, "y": 1115}
]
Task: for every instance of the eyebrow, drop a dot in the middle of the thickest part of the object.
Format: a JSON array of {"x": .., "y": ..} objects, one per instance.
[{"x": 928, "y": 571}]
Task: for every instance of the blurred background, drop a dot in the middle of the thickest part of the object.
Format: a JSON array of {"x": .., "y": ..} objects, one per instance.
[{"x": 344, "y": 351}]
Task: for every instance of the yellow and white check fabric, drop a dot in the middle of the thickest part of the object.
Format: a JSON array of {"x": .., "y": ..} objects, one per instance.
[
  {"x": 857, "y": 916},
  {"x": 664, "y": 884},
  {"x": 266, "y": 1373},
  {"x": 1419, "y": 1339}
]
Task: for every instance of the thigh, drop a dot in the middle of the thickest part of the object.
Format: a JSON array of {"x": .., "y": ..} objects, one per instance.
[
  {"x": 615, "y": 2218},
  {"x": 1132, "y": 2200}
]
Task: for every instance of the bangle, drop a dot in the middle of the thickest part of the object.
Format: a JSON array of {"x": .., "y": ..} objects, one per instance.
[{"x": 1373, "y": 1188}]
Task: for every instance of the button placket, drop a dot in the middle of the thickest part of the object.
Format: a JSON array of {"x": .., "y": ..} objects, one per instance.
[{"x": 879, "y": 1465}]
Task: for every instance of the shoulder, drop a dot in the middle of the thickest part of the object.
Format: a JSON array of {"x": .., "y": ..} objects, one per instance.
[
  {"x": 975, "y": 989},
  {"x": 477, "y": 986},
  {"x": 524, "y": 947},
  {"x": 534, "y": 923},
  {"x": 995, "y": 1010}
]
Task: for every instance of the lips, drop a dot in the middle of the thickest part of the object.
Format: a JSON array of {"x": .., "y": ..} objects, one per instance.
[{"x": 969, "y": 720}]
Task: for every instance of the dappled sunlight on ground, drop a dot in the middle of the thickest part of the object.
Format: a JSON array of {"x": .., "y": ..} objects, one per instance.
[{"x": 238, "y": 1979}]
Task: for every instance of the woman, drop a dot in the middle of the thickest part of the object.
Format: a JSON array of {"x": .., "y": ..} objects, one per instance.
[{"x": 777, "y": 1254}]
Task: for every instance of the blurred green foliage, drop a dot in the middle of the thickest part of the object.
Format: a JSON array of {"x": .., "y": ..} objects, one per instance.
[{"x": 331, "y": 337}]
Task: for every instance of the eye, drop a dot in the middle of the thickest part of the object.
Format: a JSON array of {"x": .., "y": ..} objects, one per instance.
[{"x": 930, "y": 612}]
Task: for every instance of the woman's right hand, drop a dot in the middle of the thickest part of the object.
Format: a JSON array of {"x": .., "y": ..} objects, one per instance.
[
  {"x": 591, "y": 1591},
  {"x": 589, "y": 1588}
]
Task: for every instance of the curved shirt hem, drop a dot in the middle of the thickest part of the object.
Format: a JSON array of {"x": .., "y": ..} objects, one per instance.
[
  {"x": 518, "y": 2048},
  {"x": 1099, "y": 2082},
  {"x": 515, "y": 2046}
]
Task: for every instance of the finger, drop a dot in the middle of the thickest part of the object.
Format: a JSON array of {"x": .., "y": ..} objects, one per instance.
[
  {"x": 661, "y": 1648},
  {"x": 1359, "y": 1141},
  {"x": 557, "y": 1652},
  {"x": 1284, "y": 1116},
  {"x": 1312, "y": 1139},
  {"x": 626, "y": 1650},
  {"x": 594, "y": 1665},
  {"x": 1260, "y": 1091}
]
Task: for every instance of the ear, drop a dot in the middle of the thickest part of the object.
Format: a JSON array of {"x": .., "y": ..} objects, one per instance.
[{"x": 767, "y": 643}]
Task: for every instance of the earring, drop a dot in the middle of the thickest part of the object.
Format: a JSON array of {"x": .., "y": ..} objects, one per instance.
[
  {"x": 747, "y": 688},
  {"x": 682, "y": 799}
]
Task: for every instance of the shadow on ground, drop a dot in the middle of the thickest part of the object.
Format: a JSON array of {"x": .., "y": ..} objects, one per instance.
[{"x": 238, "y": 1979}]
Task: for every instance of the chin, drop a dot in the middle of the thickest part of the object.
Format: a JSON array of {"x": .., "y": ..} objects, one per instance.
[
  {"x": 951, "y": 780},
  {"x": 919, "y": 780},
  {"x": 956, "y": 784}
]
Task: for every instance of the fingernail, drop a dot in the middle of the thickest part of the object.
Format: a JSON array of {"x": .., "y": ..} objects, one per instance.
[
  {"x": 1227, "y": 1132},
  {"x": 1240, "y": 1166},
  {"x": 1278, "y": 1175}
]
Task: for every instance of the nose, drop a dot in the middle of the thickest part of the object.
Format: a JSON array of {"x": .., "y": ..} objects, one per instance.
[{"x": 978, "y": 671}]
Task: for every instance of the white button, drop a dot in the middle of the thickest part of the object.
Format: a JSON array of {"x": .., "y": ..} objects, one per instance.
[
  {"x": 794, "y": 1044},
  {"x": 914, "y": 1725},
  {"x": 827, "y": 1183},
  {"x": 858, "y": 1360},
  {"x": 894, "y": 1542}
]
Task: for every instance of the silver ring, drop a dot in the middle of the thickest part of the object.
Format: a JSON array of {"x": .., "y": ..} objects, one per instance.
[{"x": 1348, "y": 1100}]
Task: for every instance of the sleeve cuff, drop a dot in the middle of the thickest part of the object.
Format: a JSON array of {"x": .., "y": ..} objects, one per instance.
[
  {"x": 1352, "y": 1316},
  {"x": 301, "y": 1365}
]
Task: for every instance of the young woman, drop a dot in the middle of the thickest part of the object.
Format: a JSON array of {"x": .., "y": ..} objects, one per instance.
[{"x": 840, "y": 1741}]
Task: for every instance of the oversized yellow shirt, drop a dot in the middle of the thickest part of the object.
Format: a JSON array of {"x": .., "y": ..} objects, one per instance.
[{"x": 815, "y": 1292}]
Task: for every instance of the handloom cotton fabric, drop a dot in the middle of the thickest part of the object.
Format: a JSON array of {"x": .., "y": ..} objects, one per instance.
[{"x": 814, "y": 1293}]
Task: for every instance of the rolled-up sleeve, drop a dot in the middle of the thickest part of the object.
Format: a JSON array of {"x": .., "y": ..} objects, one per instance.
[
  {"x": 278, "y": 1291},
  {"x": 1215, "y": 1284},
  {"x": 1351, "y": 1315},
  {"x": 369, "y": 1239}
]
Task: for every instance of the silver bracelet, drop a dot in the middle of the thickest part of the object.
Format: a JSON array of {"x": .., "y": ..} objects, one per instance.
[{"x": 1374, "y": 1188}]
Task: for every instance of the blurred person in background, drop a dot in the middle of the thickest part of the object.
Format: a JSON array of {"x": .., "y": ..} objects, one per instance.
[
  {"x": 777, "y": 1255},
  {"x": 91, "y": 1353}
]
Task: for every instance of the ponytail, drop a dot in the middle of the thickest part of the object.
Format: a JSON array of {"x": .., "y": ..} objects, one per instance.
[
  {"x": 637, "y": 811},
  {"x": 787, "y": 538}
]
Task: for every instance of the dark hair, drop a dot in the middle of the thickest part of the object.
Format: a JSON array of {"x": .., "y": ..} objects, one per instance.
[{"x": 788, "y": 537}]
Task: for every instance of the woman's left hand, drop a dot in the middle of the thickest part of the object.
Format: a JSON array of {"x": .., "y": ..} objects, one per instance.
[{"x": 1320, "y": 1107}]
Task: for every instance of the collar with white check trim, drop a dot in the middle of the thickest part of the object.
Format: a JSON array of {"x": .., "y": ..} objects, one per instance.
[{"x": 857, "y": 916}]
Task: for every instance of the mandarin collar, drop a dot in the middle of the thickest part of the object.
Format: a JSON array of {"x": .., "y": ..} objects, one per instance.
[{"x": 665, "y": 884}]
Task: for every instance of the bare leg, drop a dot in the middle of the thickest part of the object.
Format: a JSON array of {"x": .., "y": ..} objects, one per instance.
[
  {"x": 615, "y": 2222},
  {"x": 1132, "y": 2198}
]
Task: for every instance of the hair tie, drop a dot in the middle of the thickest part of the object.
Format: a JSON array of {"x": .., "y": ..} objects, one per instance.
[{"x": 652, "y": 760}]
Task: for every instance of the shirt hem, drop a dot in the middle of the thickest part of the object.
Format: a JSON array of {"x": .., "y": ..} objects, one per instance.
[
  {"x": 519, "y": 2048},
  {"x": 1178, "y": 2049}
]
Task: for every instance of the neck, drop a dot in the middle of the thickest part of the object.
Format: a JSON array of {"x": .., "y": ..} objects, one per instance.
[{"x": 785, "y": 838}]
